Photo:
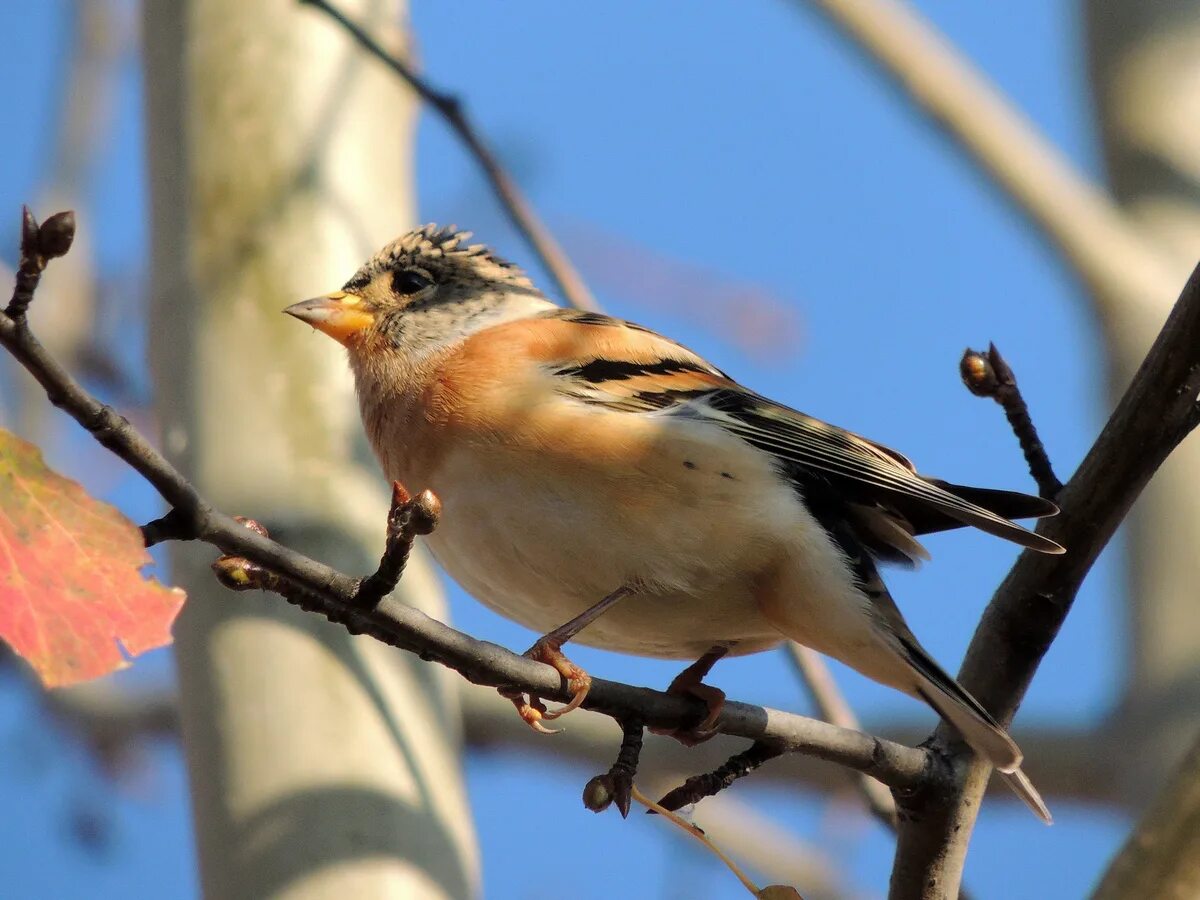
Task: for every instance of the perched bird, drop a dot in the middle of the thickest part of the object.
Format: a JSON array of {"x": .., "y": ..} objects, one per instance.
[{"x": 600, "y": 482}]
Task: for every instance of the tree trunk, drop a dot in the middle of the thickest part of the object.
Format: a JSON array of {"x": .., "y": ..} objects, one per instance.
[
  {"x": 1144, "y": 59},
  {"x": 1161, "y": 858},
  {"x": 321, "y": 765}
]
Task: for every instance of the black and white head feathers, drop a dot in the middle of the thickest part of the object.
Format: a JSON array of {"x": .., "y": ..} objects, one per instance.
[{"x": 441, "y": 255}]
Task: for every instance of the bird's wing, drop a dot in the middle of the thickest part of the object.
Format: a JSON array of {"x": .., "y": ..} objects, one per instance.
[
  {"x": 873, "y": 472},
  {"x": 617, "y": 364},
  {"x": 634, "y": 370}
]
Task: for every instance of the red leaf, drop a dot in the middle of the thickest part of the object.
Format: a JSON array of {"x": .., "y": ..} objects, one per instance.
[{"x": 70, "y": 580}]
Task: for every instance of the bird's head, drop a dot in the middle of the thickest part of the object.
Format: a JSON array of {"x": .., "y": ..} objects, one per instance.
[{"x": 428, "y": 286}]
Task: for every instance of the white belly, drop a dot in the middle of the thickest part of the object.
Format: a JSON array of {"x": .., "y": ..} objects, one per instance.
[{"x": 540, "y": 550}]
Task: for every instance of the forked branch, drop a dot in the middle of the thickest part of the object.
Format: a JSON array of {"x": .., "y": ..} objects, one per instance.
[{"x": 1158, "y": 410}]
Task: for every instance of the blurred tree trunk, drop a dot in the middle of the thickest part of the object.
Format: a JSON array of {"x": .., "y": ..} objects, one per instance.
[
  {"x": 1161, "y": 858},
  {"x": 1144, "y": 60},
  {"x": 280, "y": 157}
]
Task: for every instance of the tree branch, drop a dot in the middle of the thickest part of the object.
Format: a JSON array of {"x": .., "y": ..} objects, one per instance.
[
  {"x": 711, "y": 783},
  {"x": 989, "y": 375},
  {"x": 450, "y": 108},
  {"x": 322, "y": 589},
  {"x": 616, "y": 785},
  {"x": 833, "y": 708},
  {"x": 1075, "y": 765},
  {"x": 407, "y": 518},
  {"x": 1161, "y": 858},
  {"x": 1156, "y": 412},
  {"x": 1095, "y": 238}
]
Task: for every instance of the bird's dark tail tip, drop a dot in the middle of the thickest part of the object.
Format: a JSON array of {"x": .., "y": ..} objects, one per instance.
[{"x": 978, "y": 727}]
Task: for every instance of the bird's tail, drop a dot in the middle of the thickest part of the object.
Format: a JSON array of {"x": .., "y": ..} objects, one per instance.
[{"x": 977, "y": 726}]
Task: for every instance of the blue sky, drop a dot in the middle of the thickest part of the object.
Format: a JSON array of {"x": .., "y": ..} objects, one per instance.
[{"x": 690, "y": 160}]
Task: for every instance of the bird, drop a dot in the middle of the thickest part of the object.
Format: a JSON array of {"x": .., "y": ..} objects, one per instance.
[{"x": 602, "y": 483}]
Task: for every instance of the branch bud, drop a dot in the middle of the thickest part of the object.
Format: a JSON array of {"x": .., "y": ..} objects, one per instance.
[
  {"x": 977, "y": 374},
  {"x": 598, "y": 793},
  {"x": 427, "y": 510},
  {"x": 56, "y": 235}
]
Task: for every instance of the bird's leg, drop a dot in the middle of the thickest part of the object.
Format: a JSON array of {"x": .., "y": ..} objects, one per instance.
[
  {"x": 548, "y": 649},
  {"x": 690, "y": 683}
]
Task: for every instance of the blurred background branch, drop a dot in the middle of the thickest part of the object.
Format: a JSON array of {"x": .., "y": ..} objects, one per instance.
[
  {"x": 1119, "y": 264},
  {"x": 450, "y": 108}
]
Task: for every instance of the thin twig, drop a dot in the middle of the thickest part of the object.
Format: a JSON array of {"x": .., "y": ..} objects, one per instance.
[
  {"x": 711, "y": 783},
  {"x": 693, "y": 830},
  {"x": 518, "y": 209},
  {"x": 833, "y": 708},
  {"x": 616, "y": 785},
  {"x": 39, "y": 245},
  {"x": 1079, "y": 766},
  {"x": 408, "y": 517},
  {"x": 316, "y": 587},
  {"x": 988, "y": 375},
  {"x": 1075, "y": 765}
]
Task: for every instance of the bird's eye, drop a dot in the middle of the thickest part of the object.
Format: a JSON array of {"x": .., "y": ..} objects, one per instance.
[{"x": 410, "y": 281}]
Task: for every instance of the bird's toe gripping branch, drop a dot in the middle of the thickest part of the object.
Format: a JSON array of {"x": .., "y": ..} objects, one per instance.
[
  {"x": 530, "y": 708},
  {"x": 690, "y": 683}
]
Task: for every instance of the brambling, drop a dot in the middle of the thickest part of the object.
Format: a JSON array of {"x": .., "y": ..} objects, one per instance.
[{"x": 602, "y": 483}]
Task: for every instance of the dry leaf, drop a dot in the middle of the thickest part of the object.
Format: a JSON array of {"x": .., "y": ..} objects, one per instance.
[{"x": 70, "y": 579}]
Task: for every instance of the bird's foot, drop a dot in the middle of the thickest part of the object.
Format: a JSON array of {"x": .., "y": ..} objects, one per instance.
[
  {"x": 530, "y": 708},
  {"x": 714, "y": 699},
  {"x": 690, "y": 683}
]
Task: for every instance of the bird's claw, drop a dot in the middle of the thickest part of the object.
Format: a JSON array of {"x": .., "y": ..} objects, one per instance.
[
  {"x": 531, "y": 709},
  {"x": 687, "y": 684}
]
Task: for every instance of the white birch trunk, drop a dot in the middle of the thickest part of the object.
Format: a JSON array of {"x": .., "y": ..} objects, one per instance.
[
  {"x": 1145, "y": 69},
  {"x": 280, "y": 157}
]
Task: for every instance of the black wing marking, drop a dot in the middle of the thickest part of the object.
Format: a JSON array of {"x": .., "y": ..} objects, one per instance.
[{"x": 865, "y": 468}]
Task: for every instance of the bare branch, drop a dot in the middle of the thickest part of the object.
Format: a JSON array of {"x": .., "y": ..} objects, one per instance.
[
  {"x": 172, "y": 526},
  {"x": 519, "y": 212},
  {"x": 988, "y": 375},
  {"x": 616, "y": 785},
  {"x": 1094, "y": 237},
  {"x": 711, "y": 783},
  {"x": 1079, "y": 766},
  {"x": 833, "y": 708},
  {"x": 1157, "y": 411},
  {"x": 407, "y": 518}
]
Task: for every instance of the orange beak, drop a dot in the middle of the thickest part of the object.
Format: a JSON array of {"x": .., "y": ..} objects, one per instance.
[{"x": 339, "y": 315}]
